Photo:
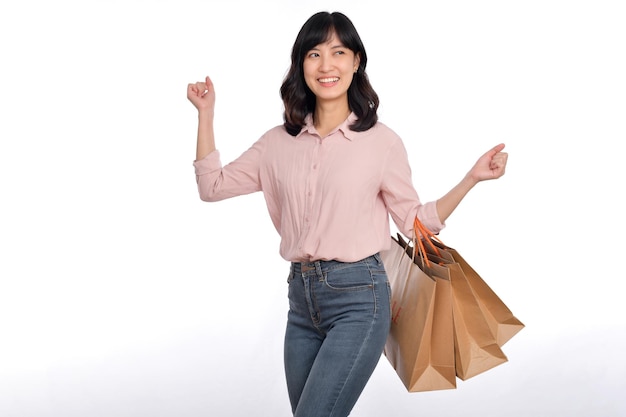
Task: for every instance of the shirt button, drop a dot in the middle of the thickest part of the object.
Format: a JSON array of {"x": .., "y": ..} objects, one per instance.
[{"x": 315, "y": 166}]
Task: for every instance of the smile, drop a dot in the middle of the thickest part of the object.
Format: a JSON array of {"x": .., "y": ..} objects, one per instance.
[{"x": 328, "y": 80}]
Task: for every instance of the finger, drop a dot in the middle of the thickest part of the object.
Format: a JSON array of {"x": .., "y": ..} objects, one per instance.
[
  {"x": 208, "y": 85},
  {"x": 493, "y": 152},
  {"x": 495, "y": 165},
  {"x": 498, "y": 148},
  {"x": 198, "y": 89},
  {"x": 501, "y": 157}
]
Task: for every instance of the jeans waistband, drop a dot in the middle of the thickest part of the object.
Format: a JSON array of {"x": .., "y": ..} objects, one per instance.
[{"x": 304, "y": 267}]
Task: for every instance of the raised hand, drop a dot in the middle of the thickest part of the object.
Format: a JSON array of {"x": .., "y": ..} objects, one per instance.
[
  {"x": 491, "y": 165},
  {"x": 202, "y": 95}
]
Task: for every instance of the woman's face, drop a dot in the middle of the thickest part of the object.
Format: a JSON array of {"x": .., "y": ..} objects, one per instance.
[{"x": 328, "y": 70}]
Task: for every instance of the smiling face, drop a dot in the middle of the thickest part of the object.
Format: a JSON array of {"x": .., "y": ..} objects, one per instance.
[{"x": 328, "y": 70}]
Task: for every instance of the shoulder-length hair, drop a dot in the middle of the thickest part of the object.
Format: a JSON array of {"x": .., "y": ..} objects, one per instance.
[{"x": 299, "y": 100}]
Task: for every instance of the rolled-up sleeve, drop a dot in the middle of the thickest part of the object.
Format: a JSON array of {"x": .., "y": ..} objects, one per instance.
[
  {"x": 400, "y": 196},
  {"x": 217, "y": 182}
]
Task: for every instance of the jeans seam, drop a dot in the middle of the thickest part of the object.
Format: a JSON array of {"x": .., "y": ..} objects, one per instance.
[
  {"x": 314, "y": 312},
  {"x": 363, "y": 344},
  {"x": 373, "y": 290},
  {"x": 357, "y": 362},
  {"x": 365, "y": 339}
]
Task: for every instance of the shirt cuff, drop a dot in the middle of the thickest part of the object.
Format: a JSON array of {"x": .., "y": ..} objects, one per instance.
[
  {"x": 209, "y": 163},
  {"x": 429, "y": 217}
]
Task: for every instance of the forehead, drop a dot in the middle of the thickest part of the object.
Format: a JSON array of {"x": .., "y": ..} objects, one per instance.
[{"x": 331, "y": 40}]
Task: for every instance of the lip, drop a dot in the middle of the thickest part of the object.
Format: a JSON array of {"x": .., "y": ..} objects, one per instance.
[{"x": 328, "y": 81}]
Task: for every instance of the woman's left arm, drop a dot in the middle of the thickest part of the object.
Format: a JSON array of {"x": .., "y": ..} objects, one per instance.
[{"x": 488, "y": 167}]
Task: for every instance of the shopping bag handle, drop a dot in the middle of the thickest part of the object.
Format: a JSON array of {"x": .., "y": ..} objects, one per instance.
[
  {"x": 419, "y": 234},
  {"x": 422, "y": 234},
  {"x": 410, "y": 248},
  {"x": 428, "y": 236}
]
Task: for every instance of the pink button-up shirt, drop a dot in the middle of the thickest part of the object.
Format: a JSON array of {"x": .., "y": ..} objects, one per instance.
[{"x": 329, "y": 198}]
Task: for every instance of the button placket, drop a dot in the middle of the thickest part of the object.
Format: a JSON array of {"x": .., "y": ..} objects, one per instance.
[{"x": 310, "y": 187}]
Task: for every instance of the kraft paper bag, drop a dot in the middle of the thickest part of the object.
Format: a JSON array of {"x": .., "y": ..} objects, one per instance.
[
  {"x": 420, "y": 345},
  {"x": 476, "y": 347},
  {"x": 502, "y": 322}
]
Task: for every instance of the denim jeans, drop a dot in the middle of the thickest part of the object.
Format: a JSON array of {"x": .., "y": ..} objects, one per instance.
[{"x": 338, "y": 322}]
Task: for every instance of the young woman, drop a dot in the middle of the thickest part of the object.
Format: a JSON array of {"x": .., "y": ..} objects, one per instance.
[{"x": 332, "y": 176}]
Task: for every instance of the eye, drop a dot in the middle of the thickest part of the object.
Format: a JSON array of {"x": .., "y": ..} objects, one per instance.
[{"x": 313, "y": 55}]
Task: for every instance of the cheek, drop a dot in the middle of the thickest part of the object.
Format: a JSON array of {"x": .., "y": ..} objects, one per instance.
[
  {"x": 308, "y": 82},
  {"x": 309, "y": 76}
]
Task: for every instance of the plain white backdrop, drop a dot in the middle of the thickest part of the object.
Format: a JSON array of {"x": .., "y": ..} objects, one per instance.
[{"x": 123, "y": 295}]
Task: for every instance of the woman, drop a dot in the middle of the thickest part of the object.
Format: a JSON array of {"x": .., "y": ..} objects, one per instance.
[{"x": 332, "y": 175}]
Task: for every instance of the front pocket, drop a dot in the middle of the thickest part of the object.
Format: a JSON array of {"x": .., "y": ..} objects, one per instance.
[{"x": 355, "y": 278}]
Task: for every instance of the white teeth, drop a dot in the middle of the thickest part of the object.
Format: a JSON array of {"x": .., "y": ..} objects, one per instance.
[{"x": 328, "y": 80}]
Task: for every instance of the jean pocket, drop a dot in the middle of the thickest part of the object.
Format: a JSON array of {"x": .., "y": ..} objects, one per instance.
[{"x": 355, "y": 278}]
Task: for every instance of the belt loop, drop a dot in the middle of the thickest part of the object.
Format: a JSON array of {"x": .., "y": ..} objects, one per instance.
[
  {"x": 291, "y": 273},
  {"x": 318, "y": 268}
]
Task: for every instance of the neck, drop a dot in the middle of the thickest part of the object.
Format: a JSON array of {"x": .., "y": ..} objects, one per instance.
[{"x": 329, "y": 116}]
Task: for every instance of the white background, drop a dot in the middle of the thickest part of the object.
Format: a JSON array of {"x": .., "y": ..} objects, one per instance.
[{"x": 122, "y": 294}]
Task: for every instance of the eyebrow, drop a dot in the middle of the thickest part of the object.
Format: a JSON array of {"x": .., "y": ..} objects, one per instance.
[{"x": 315, "y": 48}]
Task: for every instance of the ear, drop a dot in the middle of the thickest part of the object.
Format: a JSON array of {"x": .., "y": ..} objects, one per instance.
[{"x": 357, "y": 61}]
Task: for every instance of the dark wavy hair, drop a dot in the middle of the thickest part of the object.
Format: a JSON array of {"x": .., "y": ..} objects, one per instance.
[{"x": 299, "y": 100}]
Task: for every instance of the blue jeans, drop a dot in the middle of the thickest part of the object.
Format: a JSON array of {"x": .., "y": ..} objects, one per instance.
[{"x": 338, "y": 321}]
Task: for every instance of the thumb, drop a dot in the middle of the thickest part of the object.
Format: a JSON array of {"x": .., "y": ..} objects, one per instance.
[
  {"x": 497, "y": 148},
  {"x": 209, "y": 83}
]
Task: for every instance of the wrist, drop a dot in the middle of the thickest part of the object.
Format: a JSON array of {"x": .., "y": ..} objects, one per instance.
[
  {"x": 469, "y": 180},
  {"x": 205, "y": 115}
]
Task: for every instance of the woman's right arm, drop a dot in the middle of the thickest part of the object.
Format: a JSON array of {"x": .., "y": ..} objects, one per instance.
[
  {"x": 202, "y": 96},
  {"x": 214, "y": 181}
]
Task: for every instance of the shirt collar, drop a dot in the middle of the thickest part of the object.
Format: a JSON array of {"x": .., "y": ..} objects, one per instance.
[{"x": 344, "y": 127}]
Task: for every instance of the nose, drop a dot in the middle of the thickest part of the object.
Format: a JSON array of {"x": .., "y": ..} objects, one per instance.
[{"x": 325, "y": 63}]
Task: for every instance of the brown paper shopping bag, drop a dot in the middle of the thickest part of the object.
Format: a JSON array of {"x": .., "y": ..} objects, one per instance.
[
  {"x": 503, "y": 323},
  {"x": 476, "y": 347},
  {"x": 420, "y": 345}
]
